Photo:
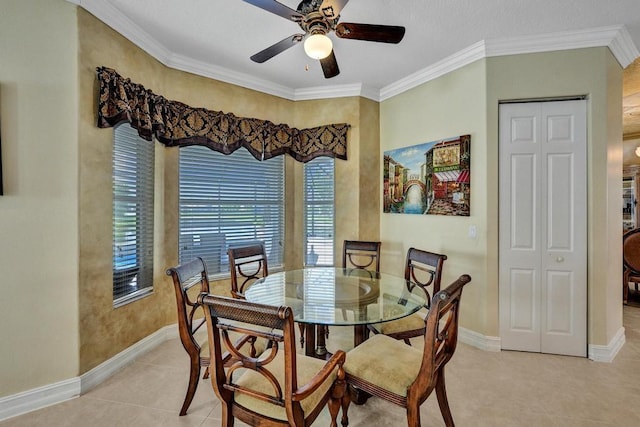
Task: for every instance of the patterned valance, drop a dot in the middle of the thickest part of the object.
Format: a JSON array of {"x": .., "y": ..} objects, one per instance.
[{"x": 176, "y": 124}]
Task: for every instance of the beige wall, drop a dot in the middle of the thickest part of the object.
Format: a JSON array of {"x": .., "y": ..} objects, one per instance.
[
  {"x": 563, "y": 74},
  {"x": 448, "y": 106},
  {"x": 105, "y": 331},
  {"x": 56, "y": 314},
  {"x": 466, "y": 101},
  {"x": 39, "y": 209}
]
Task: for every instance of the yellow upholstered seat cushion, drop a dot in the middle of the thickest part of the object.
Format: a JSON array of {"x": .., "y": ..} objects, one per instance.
[
  {"x": 408, "y": 323},
  {"x": 385, "y": 362},
  {"x": 307, "y": 368}
]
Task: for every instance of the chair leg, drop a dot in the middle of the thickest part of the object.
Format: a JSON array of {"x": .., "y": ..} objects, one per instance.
[
  {"x": 413, "y": 415},
  {"x": 206, "y": 373},
  {"x": 345, "y": 401},
  {"x": 301, "y": 326},
  {"x": 227, "y": 417},
  {"x": 334, "y": 408},
  {"x": 625, "y": 286},
  {"x": 194, "y": 377},
  {"x": 443, "y": 402}
]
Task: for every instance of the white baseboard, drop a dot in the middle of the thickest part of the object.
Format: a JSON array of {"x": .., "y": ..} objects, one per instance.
[
  {"x": 52, "y": 394},
  {"x": 478, "y": 340},
  {"x": 606, "y": 353},
  {"x": 97, "y": 375},
  {"x": 597, "y": 353},
  {"x": 38, "y": 398}
]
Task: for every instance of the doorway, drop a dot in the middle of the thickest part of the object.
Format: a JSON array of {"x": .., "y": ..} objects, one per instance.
[{"x": 543, "y": 226}]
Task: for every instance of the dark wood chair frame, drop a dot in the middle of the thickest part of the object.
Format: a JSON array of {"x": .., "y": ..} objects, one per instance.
[
  {"x": 361, "y": 255},
  {"x": 275, "y": 324},
  {"x": 356, "y": 255},
  {"x": 430, "y": 266},
  {"x": 440, "y": 340},
  {"x": 185, "y": 277},
  {"x": 631, "y": 261},
  {"x": 248, "y": 264},
  {"x": 191, "y": 318}
]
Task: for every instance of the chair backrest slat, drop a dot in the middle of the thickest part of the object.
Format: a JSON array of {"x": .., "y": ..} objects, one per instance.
[
  {"x": 185, "y": 277},
  {"x": 246, "y": 264},
  {"x": 247, "y": 382},
  {"x": 441, "y": 337},
  {"x": 222, "y": 315},
  {"x": 361, "y": 254},
  {"x": 420, "y": 262}
]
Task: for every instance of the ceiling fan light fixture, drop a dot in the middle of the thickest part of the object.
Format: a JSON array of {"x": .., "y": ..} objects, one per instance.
[
  {"x": 318, "y": 46},
  {"x": 638, "y": 151}
]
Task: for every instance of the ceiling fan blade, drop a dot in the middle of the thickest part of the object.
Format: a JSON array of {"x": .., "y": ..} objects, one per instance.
[
  {"x": 277, "y": 8},
  {"x": 332, "y": 8},
  {"x": 369, "y": 32},
  {"x": 277, "y": 48},
  {"x": 330, "y": 66}
]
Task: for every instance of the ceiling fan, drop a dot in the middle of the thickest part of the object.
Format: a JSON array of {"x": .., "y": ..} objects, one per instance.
[{"x": 317, "y": 18}]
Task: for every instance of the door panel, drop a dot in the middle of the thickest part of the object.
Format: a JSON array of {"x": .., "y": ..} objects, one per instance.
[
  {"x": 523, "y": 190},
  {"x": 543, "y": 227},
  {"x": 560, "y": 203},
  {"x": 524, "y": 318}
]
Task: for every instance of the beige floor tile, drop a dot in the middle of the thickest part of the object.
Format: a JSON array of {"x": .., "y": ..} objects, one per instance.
[{"x": 485, "y": 389}]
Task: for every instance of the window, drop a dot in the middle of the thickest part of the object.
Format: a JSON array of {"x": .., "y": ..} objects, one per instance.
[
  {"x": 133, "y": 175},
  {"x": 318, "y": 211},
  {"x": 229, "y": 200}
]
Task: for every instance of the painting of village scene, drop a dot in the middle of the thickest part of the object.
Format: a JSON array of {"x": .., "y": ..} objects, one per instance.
[{"x": 432, "y": 178}]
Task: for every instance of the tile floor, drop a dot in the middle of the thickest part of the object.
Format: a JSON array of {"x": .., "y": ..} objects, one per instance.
[{"x": 485, "y": 389}]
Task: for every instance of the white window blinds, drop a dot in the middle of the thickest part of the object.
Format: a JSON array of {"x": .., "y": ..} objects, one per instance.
[
  {"x": 229, "y": 200},
  {"x": 133, "y": 180},
  {"x": 319, "y": 211}
]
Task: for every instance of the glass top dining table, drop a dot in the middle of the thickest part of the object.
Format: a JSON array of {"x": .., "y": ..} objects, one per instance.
[{"x": 325, "y": 296}]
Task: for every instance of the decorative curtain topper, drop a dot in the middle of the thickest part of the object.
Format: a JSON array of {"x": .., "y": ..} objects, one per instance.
[{"x": 176, "y": 124}]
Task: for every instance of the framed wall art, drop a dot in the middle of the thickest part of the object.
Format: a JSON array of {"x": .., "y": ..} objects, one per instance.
[{"x": 432, "y": 178}]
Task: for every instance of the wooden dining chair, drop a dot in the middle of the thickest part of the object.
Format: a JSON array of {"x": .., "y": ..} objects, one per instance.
[
  {"x": 246, "y": 264},
  {"x": 406, "y": 376},
  {"x": 186, "y": 276},
  {"x": 422, "y": 269},
  {"x": 194, "y": 275},
  {"x": 357, "y": 255},
  {"x": 360, "y": 255},
  {"x": 631, "y": 261},
  {"x": 280, "y": 388}
]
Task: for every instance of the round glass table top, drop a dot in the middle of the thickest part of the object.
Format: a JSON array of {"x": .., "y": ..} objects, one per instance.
[{"x": 323, "y": 295}]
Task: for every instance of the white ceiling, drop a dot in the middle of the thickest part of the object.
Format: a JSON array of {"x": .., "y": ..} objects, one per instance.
[{"x": 215, "y": 38}]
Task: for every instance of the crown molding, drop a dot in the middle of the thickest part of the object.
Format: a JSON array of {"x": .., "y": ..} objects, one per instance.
[
  {"x": 216, "y": 72},
  {"x": 341, "y": 91},
  {"x": 616, "y": 38},
  {"x": 447, "y": 65},
  {"x": 111, "y": 16}
]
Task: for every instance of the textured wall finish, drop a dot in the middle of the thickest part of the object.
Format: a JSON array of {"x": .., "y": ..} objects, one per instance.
[{"x": 105, "y": 331}]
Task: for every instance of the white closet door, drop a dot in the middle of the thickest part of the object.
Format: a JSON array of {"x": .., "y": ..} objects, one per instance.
[{"x": 543, "y": 206}]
